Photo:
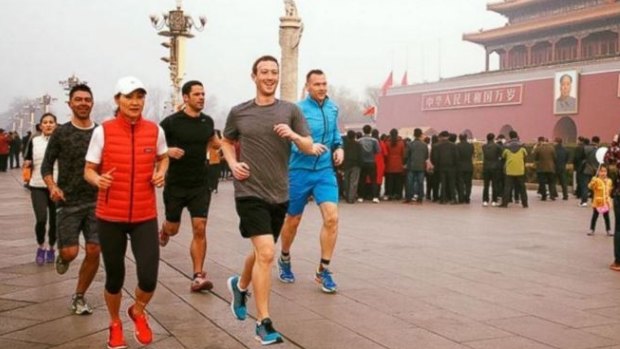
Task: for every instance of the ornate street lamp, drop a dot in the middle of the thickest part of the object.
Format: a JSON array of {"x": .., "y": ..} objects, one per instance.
[
  {"x": 177, "y": 26},
  {"x": 71, "y": 81},
  {"x": 31, "y": 107},
  {"x": 46, "y": 100}
]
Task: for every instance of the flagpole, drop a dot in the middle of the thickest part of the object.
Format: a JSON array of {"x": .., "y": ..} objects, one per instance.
[{"x": 439, "y": 57}]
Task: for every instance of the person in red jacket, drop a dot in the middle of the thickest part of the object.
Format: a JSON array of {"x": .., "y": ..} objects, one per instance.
[
  {"x": 394, "y": 168},
  {"x": 126, "y": 160},
  {"x": 5, "y": 140}
]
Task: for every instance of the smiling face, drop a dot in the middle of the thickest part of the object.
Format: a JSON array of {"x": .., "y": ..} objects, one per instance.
[
  {"x": 131, "y": 105},
  {"x": 266, "y": 78},
  {"x": 81, "y": 104}
]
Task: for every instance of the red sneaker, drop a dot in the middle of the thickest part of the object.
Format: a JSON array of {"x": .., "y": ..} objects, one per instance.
[
  {"x": 142, "y": 332},
  {"x": 116, "y": 339},
  {"x": 200, "y": 283}
]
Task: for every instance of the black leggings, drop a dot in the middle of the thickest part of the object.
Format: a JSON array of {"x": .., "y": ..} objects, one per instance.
[
  {"x": 595, "y": 218},
  {"x": 144, "y": 245},
  {"x": 44, "y": 208}
]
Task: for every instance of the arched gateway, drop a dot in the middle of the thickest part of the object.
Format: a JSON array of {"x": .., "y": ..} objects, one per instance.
[{"x": 566, "y": 129}]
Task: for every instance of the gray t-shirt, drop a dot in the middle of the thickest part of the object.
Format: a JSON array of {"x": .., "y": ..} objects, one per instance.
[{"x": 262, "y": 149}]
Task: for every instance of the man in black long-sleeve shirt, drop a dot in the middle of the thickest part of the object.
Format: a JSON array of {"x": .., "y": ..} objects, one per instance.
[{"x": 74, "y": 197}]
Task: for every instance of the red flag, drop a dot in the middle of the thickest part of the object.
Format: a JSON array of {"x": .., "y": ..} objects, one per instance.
[
  {"x": 387, "y": 84},
  {"x": 370, "y": 111},
  {"x": 404, "y": 81}
]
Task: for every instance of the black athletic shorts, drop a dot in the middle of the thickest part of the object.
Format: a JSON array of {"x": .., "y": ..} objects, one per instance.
[
  {"x": 197, "y": 201},
  {"x": 258, "y": 217}
]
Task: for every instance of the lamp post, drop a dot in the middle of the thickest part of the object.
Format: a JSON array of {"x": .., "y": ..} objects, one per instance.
[
  {"x": 176, "y": 26},
  {"x": 31, "y": 107},
  {"x": 71, "y": 81},
  {"x": 46, "y": 100}
]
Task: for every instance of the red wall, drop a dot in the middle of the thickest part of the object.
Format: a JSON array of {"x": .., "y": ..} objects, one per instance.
[{"x": 599, "y": 108}]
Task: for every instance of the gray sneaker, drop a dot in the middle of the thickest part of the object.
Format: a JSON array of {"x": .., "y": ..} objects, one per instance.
[
  {"x": 61, "y": 265},
  {"x": 79, "y": 305}
]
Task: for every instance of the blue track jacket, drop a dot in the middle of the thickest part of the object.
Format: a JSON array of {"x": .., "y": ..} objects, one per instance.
[{"x": 323, "y": 124}]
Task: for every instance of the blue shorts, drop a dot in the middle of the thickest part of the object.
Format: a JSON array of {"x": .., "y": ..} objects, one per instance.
[{"x": 321, "y": 185}]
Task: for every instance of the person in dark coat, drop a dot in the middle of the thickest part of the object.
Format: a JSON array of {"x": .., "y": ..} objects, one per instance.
[
  {"x": 561, "y": 159},
  {"x": 351, "y": 166},
  {"x": 444, "y": 156},
  {"x": 491, "y": 171},
  {"x": 544, "y": 155},
  {"x": 465, "y": 169}
]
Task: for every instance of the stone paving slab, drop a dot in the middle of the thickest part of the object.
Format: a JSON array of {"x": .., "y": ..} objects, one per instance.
[{"x": 409, "y": 276}]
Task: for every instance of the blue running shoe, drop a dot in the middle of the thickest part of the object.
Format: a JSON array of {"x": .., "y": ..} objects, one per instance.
[
  {"x": 238, "y": 298},
  {"x": 266, "y": 334},
  {"x": 286, "y": 274},
  {"x": 324, "y": 277}
]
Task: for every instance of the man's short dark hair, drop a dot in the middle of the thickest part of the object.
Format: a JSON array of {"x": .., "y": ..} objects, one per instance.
[
  {"x": 80, "y": 87},
  {"x": 586, "y": 141},
  {"x": 444, "y": 134},
  {"x": 366, "y": 129},
  {"x": 490, "y": 137},
  {"x": 314, "y": 72},
  {"x": 513, "y": 134},
  {"x": 596, "y": 139},
  {"x": 417, "y": 133},
  {"x": 558, "y": 140},
  {"x": 463, "y": 137},
  {"x": 541, "y": 139},
  {"x": 187, "y": 87},
  {"x": 265, "y": 58}
]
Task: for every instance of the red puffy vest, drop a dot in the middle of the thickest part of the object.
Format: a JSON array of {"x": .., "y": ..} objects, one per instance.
[{"x": 130, "y": 149}]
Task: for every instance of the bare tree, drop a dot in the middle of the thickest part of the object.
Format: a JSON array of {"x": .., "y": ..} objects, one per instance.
[
  {"x": 371, "y": 96},
  {"x": 350, "y": 106}
]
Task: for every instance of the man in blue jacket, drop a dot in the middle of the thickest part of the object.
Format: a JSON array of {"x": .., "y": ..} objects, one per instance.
[{"x": 314, "y": 175}]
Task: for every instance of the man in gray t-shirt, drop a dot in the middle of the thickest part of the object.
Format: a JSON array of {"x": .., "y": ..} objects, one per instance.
[
  {"x": 262, "y": 149},
  {"x": 264, "y": 128}
]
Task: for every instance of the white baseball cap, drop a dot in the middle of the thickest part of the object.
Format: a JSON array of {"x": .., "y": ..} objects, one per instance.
[{"x": 128, "y": 84}]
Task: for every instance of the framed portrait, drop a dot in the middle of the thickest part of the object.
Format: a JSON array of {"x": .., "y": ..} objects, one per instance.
[{"x": 566, "y": 92}]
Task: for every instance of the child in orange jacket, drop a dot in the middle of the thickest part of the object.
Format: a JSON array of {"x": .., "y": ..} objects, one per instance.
[{"x": 601, "y": 187}]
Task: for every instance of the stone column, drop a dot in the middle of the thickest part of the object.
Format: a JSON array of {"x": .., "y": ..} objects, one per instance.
[{"x": 291, "y": 28}]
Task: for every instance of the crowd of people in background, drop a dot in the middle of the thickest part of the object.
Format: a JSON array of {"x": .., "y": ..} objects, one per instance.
[{"x": 70, "y": 170}]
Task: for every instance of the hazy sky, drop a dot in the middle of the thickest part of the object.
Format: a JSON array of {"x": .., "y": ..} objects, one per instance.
[{"x": 356, "y": 42}]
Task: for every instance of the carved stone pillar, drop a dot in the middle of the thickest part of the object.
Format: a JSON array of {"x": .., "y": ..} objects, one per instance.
[
  {"x": 291, "y": 29},
  {"x": 486, "y": 62}
]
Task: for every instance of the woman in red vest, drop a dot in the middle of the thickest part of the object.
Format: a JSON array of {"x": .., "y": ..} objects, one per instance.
[{"x": 127, "y": 160}]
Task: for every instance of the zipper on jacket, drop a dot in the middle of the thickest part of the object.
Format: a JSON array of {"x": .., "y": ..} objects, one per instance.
[
  {"x": 316, "y": 162},
  {"x": 133, "y": 171}
]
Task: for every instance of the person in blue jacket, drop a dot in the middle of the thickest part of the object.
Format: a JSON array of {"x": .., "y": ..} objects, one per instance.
[{"x": 315, "y": 175}]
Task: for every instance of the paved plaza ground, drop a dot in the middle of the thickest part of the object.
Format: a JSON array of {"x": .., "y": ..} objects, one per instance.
[{"x": 409, "y": 276}]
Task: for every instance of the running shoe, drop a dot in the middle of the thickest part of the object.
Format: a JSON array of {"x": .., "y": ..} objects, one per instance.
[
  {"x": 238, "y": 298},
  {"x": 40, "y": 258},
  {"x": 116, "y": 339},
  {"x": 200, "y": 283},
  {"x": 286, "y": 274},
  {"x": 79, "y": 306},
  {"x": 266, "y": 334},
  {"x": 324, "y": 278},
  {"x": 61, "y": 265},
  {"x": 142, "y": 331},
  {"x": 50, "y": 256}
]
